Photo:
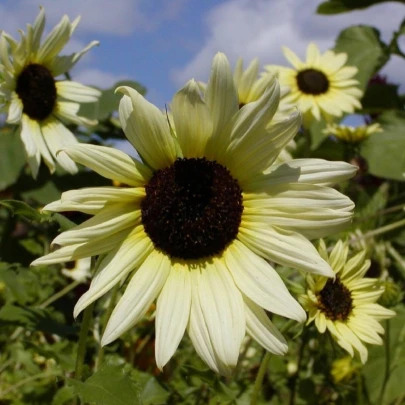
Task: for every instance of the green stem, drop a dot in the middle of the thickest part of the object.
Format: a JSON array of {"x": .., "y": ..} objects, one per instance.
[
  {"x": 387, "y": 360},
  {"x": 263, "y": 368},
  {"x": 294, "y": 378},
  {"x": 60, "y": 294},
  {"x": 113, "y": 298},
  {"x": 81, "y": 349},
  {"x": 360, "y": 396},
  {"x": 397, "y": 257},
  {"x": 383, "y": 229},
  {"x": 27, "y": 380}
]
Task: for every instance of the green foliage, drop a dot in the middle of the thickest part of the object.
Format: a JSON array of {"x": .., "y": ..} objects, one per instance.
[
  {"x": 391, "y": 366},
  {"x": 109, "y": 386},
  {"x": 384, "y": 151},
  {"x": 343, "y": 6},
  {"x": 12, "y": 158},
  {"x": 365, "y": 50}
]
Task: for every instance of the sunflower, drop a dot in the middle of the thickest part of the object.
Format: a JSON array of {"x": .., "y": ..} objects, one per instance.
[
  {"x": 34, "y": 100},
  {"x": 346, "y": 306},
  {"x": 321, "y": 84},
  {"x": 201, "y": 217},
  {"x": 351, "y": 134},
  {"x": 78, "y": 270}
]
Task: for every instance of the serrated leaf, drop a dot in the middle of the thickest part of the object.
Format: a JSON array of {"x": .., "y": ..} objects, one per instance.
[
  {"x": 12, "y": 158},
  {"x": 109, "y": 386},
  {"x": 365, "y": 50},
  {"x": 63, "y": 396},
  {"x": 384, "y": 151}
]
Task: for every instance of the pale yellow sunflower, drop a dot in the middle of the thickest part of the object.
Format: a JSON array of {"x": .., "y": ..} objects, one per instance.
[
  {"x": 320, "y": 85},
  {"x": 346, "y": 306},
  {"x": 201, "y": 218},
  {"x": 351, "y": 134},
  {"x": 34, "y": 100}
]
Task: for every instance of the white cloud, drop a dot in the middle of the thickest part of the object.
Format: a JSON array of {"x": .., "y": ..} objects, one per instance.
[
  {"x": 118, "y": 17},
  {"x": 258, "y": 28},
  {"x": 97, "y": 77}
]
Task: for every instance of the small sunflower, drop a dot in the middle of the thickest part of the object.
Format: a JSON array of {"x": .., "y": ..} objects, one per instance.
[
  {"x": 344, "y": 369},
  {"x": 351, "y": 134},
  {"x": 78, "y": 270},
  {"x": 34, "y": 100},
  {"x": 346, "y": 306},
  {"x": 321, "y": 84},
  {"x": 200, "y": 219}
]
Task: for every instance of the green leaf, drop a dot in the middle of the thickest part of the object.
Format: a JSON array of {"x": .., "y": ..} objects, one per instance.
[
  {"x": 108, "y": 102},
  {"x": 365, "y": 50},
  {"x": 384, "y": 151},
  {"x": 109, "y": 386},
  {"x": 34, "y": 319},
  {"x": 317, "y": 135},
  {"x": 342, "y": 6},
  {"x": 374, "y": 370},
  {"x": 64, "y": 223},
  {"x": 63, "y": 396},
  {"x": 22, "y": 209},
  {"x": 12, "y": 158},
  {"x": 379, "y": 97}
]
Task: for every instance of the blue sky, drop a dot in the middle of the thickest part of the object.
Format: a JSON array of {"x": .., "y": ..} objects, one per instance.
[{"x": 163, "y": 43}]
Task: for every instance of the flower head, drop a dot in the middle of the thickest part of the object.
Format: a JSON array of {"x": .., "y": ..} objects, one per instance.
[
  {"x": 34, "y": 100},
  {"x": 201, "y": 218},
  {"x": 346, "y": 305},
  {"x": 78, "y": 270},
  {"x": 351, "y": 134},
  {"x": 320, "y": 84}
]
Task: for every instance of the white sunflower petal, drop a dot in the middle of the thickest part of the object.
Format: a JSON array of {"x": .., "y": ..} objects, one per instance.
[
  {"x": 192, "y": 120},
  {"x": 220, "y": 95},
  {"x": 126, "y": 257},
  {"x": 93, "y": 199},
  {"x": 108, "y": 221},
  {"x": 260, "y": 282},
  {"x": 140, "y": 293},
  {"x": 261, "y": 329},
  {"x": 110, "y": 163},
  {"x": 77, "y": 92},
  {"x": 147, "y": 129},
  {"x": 284, "y": 247},
  {"x": 172, "y": 313}
]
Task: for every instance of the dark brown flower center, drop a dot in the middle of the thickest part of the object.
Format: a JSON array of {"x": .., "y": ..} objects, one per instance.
[
  {"x": 335, "y": 300},
  {"x": 192, "y": 208},
  {"x": 37, "y": 91},
  {"x": 311, "y": 81}
]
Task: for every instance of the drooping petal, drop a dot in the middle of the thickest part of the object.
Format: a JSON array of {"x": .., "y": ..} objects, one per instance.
[
  {"x": 57, "y": 136},
  {"x": 110, "y": 163},
  {"x": 140, "y": 293},
  {"x": 260, "y": 282},
  {"x": 259, "y": 326},
  {"x": 284, "y": 247},
  {"x": 222, "y": 308},
  {"x": 126, "y": 257},
  {"x": 192, "y": 120},
  {"x": 147, "y": 128},
  {"x": 172, "y": 313}
]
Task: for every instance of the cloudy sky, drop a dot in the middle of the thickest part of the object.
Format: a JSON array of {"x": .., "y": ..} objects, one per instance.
[{"x": 163, "y": 43}]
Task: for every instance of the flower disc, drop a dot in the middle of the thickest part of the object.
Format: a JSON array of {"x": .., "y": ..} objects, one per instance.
[
  {"x": 36, "y": 89},
  {"x": 192, "y": 208}
]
